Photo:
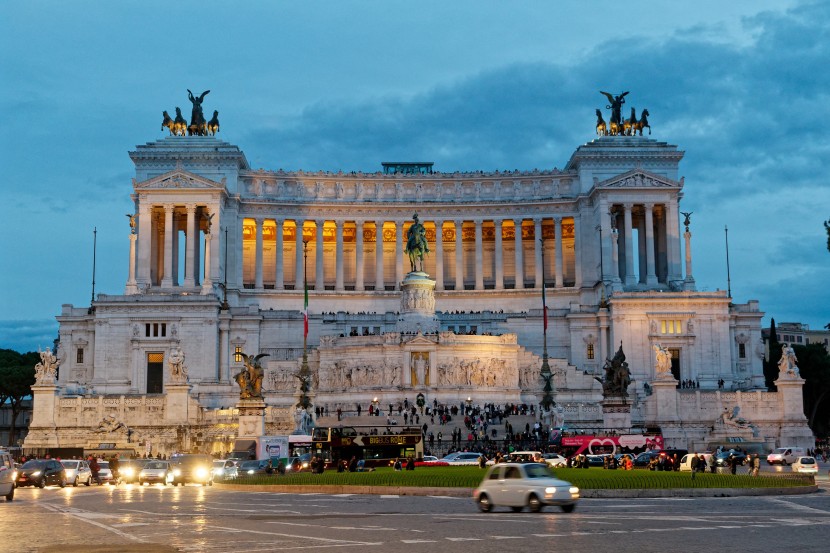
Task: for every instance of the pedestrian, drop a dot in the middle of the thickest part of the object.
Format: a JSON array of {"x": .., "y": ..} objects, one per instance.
[
  {"x": 733, "y": 463},
  {"x": 95, "y": 469},
  {"x": 756, "y": 464},
  {"x": 482, "y": 461},
  {"x": 694, "y": 463}
]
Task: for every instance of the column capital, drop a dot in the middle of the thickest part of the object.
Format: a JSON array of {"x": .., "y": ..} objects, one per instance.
[
  {"x": 628, "y": 206},
  {"x": 498, "y": 222},
  {"x": 320, "y": 222},
  {"x": 459, "y": 222},
  {"x": 537, "y": 220},
  {"x": 438, "y": 222},
  {"x": 399, "y": 224},
  {"x": 649, "y": 206},
  {"x": 279, "y": 221},
  {"x": 169, "y": 207},
  {"x": 191, "y": 208},
  {"x": 557, "y": 219}
]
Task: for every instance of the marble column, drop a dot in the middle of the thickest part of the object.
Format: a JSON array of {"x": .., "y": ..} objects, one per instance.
[
  {"x": 207, "y": 283},
  {"x": 537, "y": 251},
  {"x": 320, "y": 283},
  {"x": 557, "y": 221},
  {"x": 190, "y": 248},
  {"x": 379, "y": 284},
  {"x": 167, "y": 279},
  {"x": 224, "y": 346},
  {"x": 338, "y": 274},
  {"x": 398, "y": 254},
  {"x": 499, "y": 256},
  {"x": 520, "y": 273},
  {"x": 459, "y": 255},
  {"x": 630, "y": 277},
  {"x": 299, "y": 270},
  {"x": 131, "y": 282},
  {"x": 439, "y": 255},
  {"x": 479, "y": 256},
  {"x": 358, "y": 253},
  {"x": 145, "y": 242},
  {"x": 279, "y": 283},
  {"x": 259, "y": 224},
  {"x": 577, "y": 252},
  {"x": 673, "y": 241},
  {"x": 651, "y": 276}
]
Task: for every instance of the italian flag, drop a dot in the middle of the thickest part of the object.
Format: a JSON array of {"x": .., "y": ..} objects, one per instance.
[{"x": 305, "y": 310}]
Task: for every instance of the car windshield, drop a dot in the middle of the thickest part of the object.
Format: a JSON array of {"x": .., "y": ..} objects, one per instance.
[
  {"x": 250, "y": 465},
  {"x": 808, "y": 461},
  {"x": 538, "y": 470},
  {"x": 104, "y": 464},
  {"x": 156, "y": 465},
  {"x": 34, "y": 464},
  {"x": 70, "y": 464}
]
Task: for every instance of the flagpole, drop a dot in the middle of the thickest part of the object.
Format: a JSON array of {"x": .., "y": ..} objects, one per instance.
[
  {"x": 547, "y": 397},
  {"x": 305, "y": 374},
  {"x": 94, "y": 255}
]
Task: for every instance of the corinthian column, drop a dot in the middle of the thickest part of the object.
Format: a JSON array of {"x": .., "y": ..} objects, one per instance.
[
  {"x": 520, "y": 274},
  {"x": 439, "y": 255},
  {"x": 459, "y": 255},
  {"x": 259, "y": 222},
  {"x": 398, "y": 254},
  {"x": 479, "y": 256},
  {"x": 537, "y": 250},
  {"x": 190, "y": 248},
  {"x": 298, "y": 255},
  {"x": 651, "y": 277},
  {"x": 320, "y": 283},
  {"x": 558, "y": 253},
  {"x": 499, "y": 256},
  {"x": 630, "y": 277},
  {"x": 338, "y": 278},
  {"x": 358, "y": 252},
  {"x": 167, "y": 279},
  {"x": 280, "y": 251},
  {"x": 379, "y": 284}
]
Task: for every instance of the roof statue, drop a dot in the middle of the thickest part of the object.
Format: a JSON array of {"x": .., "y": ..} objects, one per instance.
[
  {"x": 198, "y": 126},
  {"x": 617, "y": 126},
  {"x": 416, "y": 244}
]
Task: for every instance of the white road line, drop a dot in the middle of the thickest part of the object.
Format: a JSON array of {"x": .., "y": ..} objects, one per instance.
[
  {"x": 389, "y": 496},
  {"x": 95, "y": 523},
  {"x": 464, "y": 539},
  {"x": 299, "y": 537},
  {"x": 797, "y": 506},
  {"x": 419, "y": 541}
]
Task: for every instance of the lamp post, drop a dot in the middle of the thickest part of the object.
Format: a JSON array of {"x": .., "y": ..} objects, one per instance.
[
  {"x": 375, "y": 404},
  {"x": 305, "y": 373},
  {"x": 225, "y": 305},
  {"x": 469, "y": 405},
  {"x": 547, "y": 391}
]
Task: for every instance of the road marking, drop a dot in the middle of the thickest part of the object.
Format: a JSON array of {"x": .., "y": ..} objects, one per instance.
[
  {"x": 419, "y": 541},
  {"x": 797, "y": 506},
  {"x": 77, "y": 514},
  {"x": 298, "y": 536},
  {"x": 390, "y": 496},
  {"x": 129, "y": 524},
  {"x": 507, "y": 537},
  {"x": 464, "y": 539}
]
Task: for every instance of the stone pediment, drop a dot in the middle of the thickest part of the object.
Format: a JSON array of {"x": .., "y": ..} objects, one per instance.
[
  {"x": 420, "y": 340},
  {"x": 638, "y": 178},
  {"x": 179, "y": 179}
]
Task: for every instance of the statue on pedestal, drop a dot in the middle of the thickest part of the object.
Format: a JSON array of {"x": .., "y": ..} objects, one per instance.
[
  {"x": 617, "y": 376},
  {"x": 416, "y": 244},
  {"x": 250, "y": 377},
  {"x": 663, "y": 366},
  {"x": 47, "y": 370},
  {"x": 175, "y": 360},
  {"x": 787, "y": 363}
]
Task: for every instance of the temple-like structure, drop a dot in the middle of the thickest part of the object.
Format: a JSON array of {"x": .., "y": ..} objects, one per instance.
[{"x": 217, "y": 255}]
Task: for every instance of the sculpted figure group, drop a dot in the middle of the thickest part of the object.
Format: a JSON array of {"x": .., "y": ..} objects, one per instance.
[
  {"x": 617, "y": 125},
  {"x": 47, "y": 370},
  {"x": 250, "y": 377},
  {"x": 198, "y": 125}
]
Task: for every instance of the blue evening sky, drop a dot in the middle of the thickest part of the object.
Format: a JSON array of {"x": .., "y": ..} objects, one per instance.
[{"x": 740, "y": 86}]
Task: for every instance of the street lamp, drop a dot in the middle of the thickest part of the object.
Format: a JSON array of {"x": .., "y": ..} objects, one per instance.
[
  {"x": 375, "y": 404},
  {"x": 469, "y": 405},
  {"x": 305, "y": 373}
]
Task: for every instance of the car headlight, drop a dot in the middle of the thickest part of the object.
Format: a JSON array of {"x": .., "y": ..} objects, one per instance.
[
  {"x": 177, "y": 472},
  {"x": 251, "y": 471},
  {"x": 129, "y": 471},
  {"x": 36, "y": 473},
  {"x": 201, "y": 473},
  {"x": 573, "y": 489},
  {"x": 305, "y": 465},
  {"x": 550, "y": 491}
]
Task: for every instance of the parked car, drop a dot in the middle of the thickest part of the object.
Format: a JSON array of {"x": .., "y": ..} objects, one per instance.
[
  {"x": 645, "y": 458},
  {"x": 555, "y": 459},
  {"x": 722, "y": 458},
  {"x": 8, "y": 475},
  {"x": 520, "y": 485},
  {"x": 686, "y": 461},
  {"x": 805, "y": 465},
  {"x": 429, "y": 459},
  {"x": 192, "y": 468},
  {"x": 298, "y": 464},
  {"x": 77, "y": 472},
  {"x": 155, "y": 472},
  {"x": 253, "y": 468},
  {"x": 41, "y": 473},
  {"x": 224, "y": 469},
  {"x": 128, "y": 469}
]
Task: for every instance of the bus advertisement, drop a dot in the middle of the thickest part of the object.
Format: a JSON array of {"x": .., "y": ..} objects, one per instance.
[{"x": 365, "y": 443}]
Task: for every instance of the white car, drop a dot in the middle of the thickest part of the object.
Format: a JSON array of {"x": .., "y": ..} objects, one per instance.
[
  {"x": 805, "y": 465},
  {"x": 465, "y": 458},
  {"x": 429, "y": 459},
  {"x": 224, "y": 469},
  {"x": 520, "y": 485},
  {"x": 77, "y": 472},
  {"x": 555, "y": 460},
  {"x": 158, "y": 472}
]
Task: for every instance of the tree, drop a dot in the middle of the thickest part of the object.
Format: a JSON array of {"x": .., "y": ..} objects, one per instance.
[
  {"x": 814, "y": 368},
  {"x": 17, "y": 374},
  {"x": 827, "y": 228},
  {"x": 771, "y": 362}
]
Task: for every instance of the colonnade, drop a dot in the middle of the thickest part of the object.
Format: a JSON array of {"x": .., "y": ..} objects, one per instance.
[{"x": 462, "y": 257}]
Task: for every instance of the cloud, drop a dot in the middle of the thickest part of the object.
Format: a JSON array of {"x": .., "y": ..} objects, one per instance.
[{"x": 27, "y": 335}]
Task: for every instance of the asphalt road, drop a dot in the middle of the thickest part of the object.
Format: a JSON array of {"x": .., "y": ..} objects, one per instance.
[{"x": 128, "y": 518}]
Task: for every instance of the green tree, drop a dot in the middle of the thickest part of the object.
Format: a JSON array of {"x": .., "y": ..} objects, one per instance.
[
  {"x": 17, "y": 374},
  {"x": 771, "y": 363},
  {"x": 814, "y": 367}
]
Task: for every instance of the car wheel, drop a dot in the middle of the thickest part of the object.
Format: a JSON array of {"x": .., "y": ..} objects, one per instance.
[
  {"x": 75, "y": 482},
  {"x": 534, "y": 504},
  {"x": 569, "y": 508},
  {"x": 88, "y": 481},
  {"x": 42, "y": 484},
  {"x": 518, "y": 509},
  {"x": 484, "y": 504},
  {"x": 210, "y": 483},
  {"x": 784, "y": 462},
  {"x": 62, "y": 483},
  {"x": 10, "y": 495}
]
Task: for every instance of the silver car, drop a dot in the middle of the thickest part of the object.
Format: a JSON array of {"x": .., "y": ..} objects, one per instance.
[
  {"x": 520, "y": 485},
  {"x": 77, "y": 472},
  {"x": 158, "y": 472}
]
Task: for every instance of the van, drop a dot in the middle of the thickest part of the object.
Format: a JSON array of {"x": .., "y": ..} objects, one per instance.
[
  {"x": 686, "y": 461},
  {"x": 8, "y": 475},
  {"x": 785, "y": 455}
]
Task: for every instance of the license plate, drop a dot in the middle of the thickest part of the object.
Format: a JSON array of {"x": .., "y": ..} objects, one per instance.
[{"x": 22, "y": 477}]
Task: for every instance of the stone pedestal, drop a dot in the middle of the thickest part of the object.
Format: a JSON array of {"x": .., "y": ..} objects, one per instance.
[
  {"x": 417, "y": 311},
  {"x": 616, "y": 414},
  {"x": 42, "y": 429},
  {"x": 177, "y": 403},
  {"x": 251, "y": 418},
  {"x": 794, "y": 430},
  {"x": 664, "y": 390}
]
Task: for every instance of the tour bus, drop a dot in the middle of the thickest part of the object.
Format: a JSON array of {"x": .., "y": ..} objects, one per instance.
[{"x": 377, "y": 446}]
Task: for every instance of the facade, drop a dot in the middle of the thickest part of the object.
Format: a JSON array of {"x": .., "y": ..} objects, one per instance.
[{"x": 218, "y": 254}]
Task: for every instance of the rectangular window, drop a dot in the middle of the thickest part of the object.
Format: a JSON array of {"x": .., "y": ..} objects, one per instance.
[
  {"x": 742, "y": 351},
  {"x": 237, "y": 354},
  {"x": 798, "y": 339},
  {"x": 590, "y": 351},
  {"x": 163, "y": 329},
  {"x": 79, "y": 356},
  {"x": 662, "y": 327},
  {"x": 147, "y": 330},
  {"x": 155, "y": 373}
]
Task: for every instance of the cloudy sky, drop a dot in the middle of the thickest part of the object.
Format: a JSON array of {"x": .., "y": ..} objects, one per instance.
[{"x": 741, "y": 86}]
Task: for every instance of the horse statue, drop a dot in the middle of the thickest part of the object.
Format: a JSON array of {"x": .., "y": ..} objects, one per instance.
[
  {"x": 642, "y": 123},
  {"x": 179, "y": 124},
  {"x": 199, "y": 129},
  {"x": 602, "y": 128},
  {"x": 213, "y": 124},
  {"x": 630, "y": 124},
  {"x": 615, "y": 128},
  {"x": 416, "y": 244},
  {"x": 168, "y": 122}
]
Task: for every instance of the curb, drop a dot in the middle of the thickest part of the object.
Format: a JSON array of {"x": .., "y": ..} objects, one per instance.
[{"x": 468, "y": 492}]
